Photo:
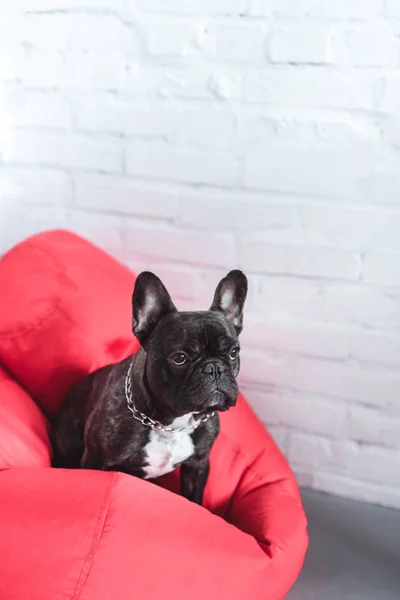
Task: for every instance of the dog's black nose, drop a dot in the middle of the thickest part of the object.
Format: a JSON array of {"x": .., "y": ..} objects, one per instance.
[{"x": 215, "y": 369}]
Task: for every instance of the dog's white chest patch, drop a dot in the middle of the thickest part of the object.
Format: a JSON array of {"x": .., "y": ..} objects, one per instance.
[{"x": 166, "y": 450}]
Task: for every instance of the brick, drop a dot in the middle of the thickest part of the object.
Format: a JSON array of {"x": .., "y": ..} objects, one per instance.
[
  {"x": 178, "y": 38},
  {"x": 321, "y": 377},
  {"x": 208, "y": 127},
  {"x": 212, "y": 7},
  {"x": 117, "y": 117},
  {"x": 362, "y": 307},
  {"x": 311, "y": 451},
  {"x": 359, "y": 384},
  {"x": 260, "y": 8},
  {"x": 300, "y": 125},
  {"x": 257, "y": 125},
  {"x": 65, "y": 5},
  {"x": 333, "y": 303},
  {"x": 39, "y": 109},
  {"x": 241, "y": 43},
  {"x": 326, "y": 9},
  {"x": 349, "y": 227},
  {"x": 103, "y": 33},
  {"x": 308, "y": 87},
  {"x": 346, "y": 128},
  {"x": 267, "y": 369},
  {"x": 262, "y": 256},
  {"x": 347, "y": 487},
  {"x": 185, "y": 247},
  {"x": 182, "y": 283},
  {"x": 103, "y": 230},
  {"x": 225, "y": 84},
  {"x": 376, "y": 348},
  {"x": 36, "y": 186},
  {"x": 391, "y": 132},
  {"x": 225, "y": 212},
  {"x": 371, "y": 426},
  {"x": 288, "y": 298},
  {"x": 184, "y": 83},
  {"x": 393, "y": 8},
  {"x": 165, "y": 162},
  {"x": 65, "y": 150},
  {"x": 57, "y": 30},
  {"x": 390, "y": 100},
  {"x": 297, "y": 411},
  {"x": 13, "y": 62},
  {"x": 74, "y": 71},
  {"x": 48, "y": 31},
  {"x": 314, "y": 169},
  {"x": 382, "y": 187},
  {"x": 382, "y": 269},
  {"x": 369, "y": 463},
  {"x": 17, "y": 223},
  {"x": 374, "y": 47},
  {"x": 298, "y": 338},
  {"x": 11, "y": 12},
  {"x": 115, "y": 194},
  {"x": 305, "y": 45},
  {"x": 206, "y": 82}
]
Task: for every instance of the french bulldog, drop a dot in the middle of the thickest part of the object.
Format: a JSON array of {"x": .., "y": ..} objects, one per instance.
[{"x": 158, "y": 409}]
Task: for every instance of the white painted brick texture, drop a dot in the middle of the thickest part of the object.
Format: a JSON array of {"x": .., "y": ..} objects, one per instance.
[
  {"x": 296, "y": 45},
  {"x": 191, "y": 137}
]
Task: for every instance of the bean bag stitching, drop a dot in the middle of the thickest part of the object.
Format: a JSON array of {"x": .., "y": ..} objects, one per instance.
[
  {"x": 55, "y": 304},
  {"x": 97, "y": 533}
]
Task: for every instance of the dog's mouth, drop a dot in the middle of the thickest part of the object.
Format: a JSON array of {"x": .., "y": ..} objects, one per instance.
[
  {"x": 201, "y": 414},
  {"x": 220, "y": 404}
]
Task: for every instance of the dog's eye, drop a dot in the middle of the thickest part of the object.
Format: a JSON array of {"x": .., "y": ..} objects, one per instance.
[
  {"x": 179, "y": 358},
  {"x": 234, "y": 353}
]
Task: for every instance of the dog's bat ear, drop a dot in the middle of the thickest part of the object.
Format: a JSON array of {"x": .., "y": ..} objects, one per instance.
[
  {"x": 150, "y": 303},
  {"x": 230, "y": 297}
]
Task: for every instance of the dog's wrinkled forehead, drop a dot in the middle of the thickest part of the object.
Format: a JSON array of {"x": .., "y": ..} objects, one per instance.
[{"x": 197, "y": 331}]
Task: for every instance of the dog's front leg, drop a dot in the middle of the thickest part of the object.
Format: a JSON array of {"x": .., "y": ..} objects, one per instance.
[{"x": 194, "y": 475}]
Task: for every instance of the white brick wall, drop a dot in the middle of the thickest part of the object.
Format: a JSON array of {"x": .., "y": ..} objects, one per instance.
[
  {"x": 302, "y": 45},
  {"x": 191, "y": 137}
]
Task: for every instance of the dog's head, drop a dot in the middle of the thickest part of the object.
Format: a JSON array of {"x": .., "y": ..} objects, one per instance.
[{"x": 192, "y": 358}]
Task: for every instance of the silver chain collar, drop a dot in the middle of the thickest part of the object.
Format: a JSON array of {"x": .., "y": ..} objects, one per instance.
[{"x": 148, "y": 421}]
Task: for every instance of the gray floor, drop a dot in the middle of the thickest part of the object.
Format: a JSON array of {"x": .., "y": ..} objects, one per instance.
[{"x": 354, "y": 551}]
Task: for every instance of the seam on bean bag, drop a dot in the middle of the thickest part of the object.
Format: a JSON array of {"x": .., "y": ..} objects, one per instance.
[
  {"x": 97, "y": 533},
  {"x": 54, "y": 305}
]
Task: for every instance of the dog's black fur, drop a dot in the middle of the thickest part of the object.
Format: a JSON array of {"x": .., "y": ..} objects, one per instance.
[{"x": 97, "y": 431}]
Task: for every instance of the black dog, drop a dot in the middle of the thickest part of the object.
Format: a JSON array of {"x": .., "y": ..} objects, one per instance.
[{"x": 158, "y": 409}]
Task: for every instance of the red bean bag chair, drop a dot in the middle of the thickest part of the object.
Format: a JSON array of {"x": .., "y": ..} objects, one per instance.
[{"x": 65, "y": 310}]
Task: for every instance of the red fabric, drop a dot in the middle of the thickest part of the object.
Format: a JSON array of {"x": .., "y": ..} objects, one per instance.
[
  {"x": 64, "y": 311},
  {"x": 24, "y": 440}
]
